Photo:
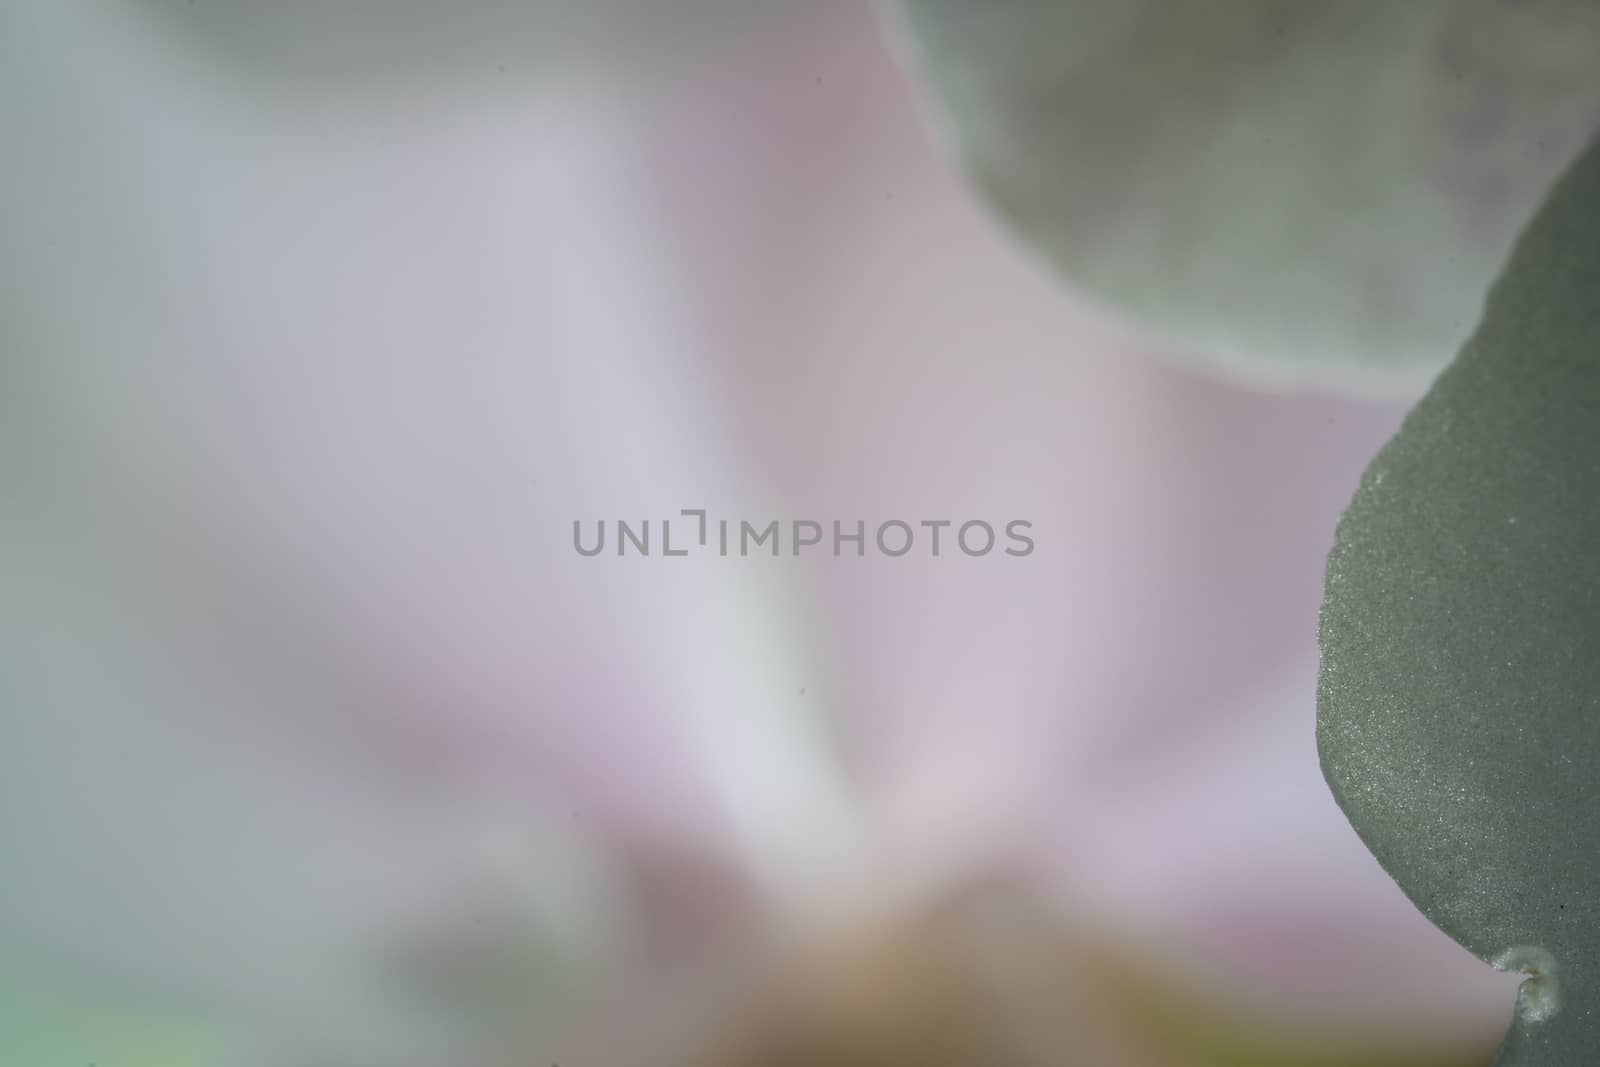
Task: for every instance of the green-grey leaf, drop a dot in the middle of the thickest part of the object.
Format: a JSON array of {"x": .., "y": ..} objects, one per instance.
[
  {"x": 1459, "y": 704},
  {"x": 1303, "y": 191}
]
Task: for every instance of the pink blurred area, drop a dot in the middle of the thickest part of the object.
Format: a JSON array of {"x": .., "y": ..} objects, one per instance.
[
  {"x": 319, "y": 375},
  {"x": 1132, "y": 706}
]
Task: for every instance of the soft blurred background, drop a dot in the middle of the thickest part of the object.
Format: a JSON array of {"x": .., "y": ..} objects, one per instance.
[{"x": 320, "y": 745}]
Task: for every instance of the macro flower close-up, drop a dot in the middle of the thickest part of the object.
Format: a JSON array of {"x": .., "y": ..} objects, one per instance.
[{"x": 744, "y": 534}]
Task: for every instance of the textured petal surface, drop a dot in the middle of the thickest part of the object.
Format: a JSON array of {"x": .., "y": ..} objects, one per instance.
[{"x": 1459, "y": 712}]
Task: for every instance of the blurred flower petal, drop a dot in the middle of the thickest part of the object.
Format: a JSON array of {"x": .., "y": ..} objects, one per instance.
[
  {"x": 313, "y": 716},
  {"x": 1287, "y": 192}
]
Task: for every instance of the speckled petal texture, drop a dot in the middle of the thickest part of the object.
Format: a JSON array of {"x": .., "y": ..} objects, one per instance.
[{"x": 1459, "y": 703}]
